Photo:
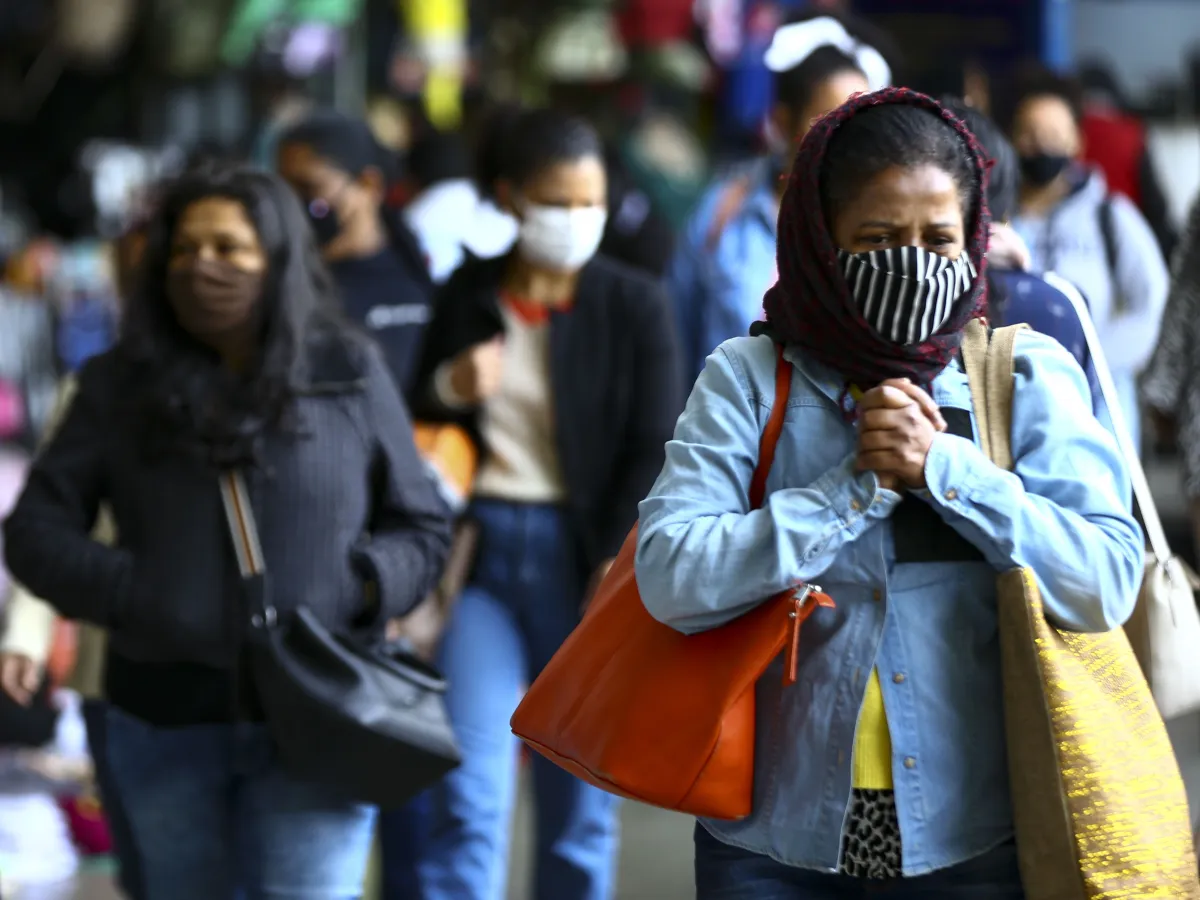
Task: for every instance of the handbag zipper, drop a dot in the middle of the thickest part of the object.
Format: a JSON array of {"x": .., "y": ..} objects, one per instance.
[{"x": 805, "y": 599}]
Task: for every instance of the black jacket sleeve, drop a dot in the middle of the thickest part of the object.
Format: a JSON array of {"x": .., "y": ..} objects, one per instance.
[
  {"x": 411, "y": 524},
  {"x": 47, "y": 539},
  {"x": 464, "y": 314},
  {"x": 658, "y": 393}
]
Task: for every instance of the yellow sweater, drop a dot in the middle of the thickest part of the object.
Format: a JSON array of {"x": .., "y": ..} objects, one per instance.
[
  {"x": 873, "y": 742},
  {"x": 872, "y": 761}
]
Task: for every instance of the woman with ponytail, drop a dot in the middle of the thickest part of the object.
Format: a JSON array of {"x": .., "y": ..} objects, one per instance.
[{"x": 882, "y": 770}]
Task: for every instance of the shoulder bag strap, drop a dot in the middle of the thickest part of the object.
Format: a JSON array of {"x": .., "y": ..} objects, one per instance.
[
  {"x": 988, "y": 361},
  {"x": 1155, "y": 535},
  {"x": 242, "y": 527},
  {"x": 974, "y": 351},
  {"x": 770, "y": 435},
  {"x": 1000, "y": 393}
]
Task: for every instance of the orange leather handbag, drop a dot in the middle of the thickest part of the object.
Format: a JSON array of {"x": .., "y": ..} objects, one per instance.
[{"x": 634, "y": 707}]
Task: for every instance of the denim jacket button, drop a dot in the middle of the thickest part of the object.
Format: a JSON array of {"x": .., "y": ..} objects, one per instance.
[
  {"x": 899, "y": 678},
  {"x": 877, "y": 595},
  {"x": 910, "y": 763},
  {"x": 951, "y": 494}
]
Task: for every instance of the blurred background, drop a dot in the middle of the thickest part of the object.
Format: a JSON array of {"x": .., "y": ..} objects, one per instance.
[{"x": 101, "y": 99}]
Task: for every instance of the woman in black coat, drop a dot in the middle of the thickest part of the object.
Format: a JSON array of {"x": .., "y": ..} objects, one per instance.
[
  {"x": 228, "y": 360},
  {"x": 563, "y": 366}
]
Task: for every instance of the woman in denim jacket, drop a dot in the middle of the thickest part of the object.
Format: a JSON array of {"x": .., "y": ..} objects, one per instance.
[{"x": 883, "y": 767}]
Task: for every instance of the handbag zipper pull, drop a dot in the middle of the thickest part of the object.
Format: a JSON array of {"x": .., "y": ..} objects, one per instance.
[{"x": 805, "y": 599}]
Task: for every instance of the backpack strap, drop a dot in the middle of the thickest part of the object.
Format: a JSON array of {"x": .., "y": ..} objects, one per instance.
[
  {"x": 731, "y": 202},
  {"x": 988, "y": 359},
  {"x": 1108, "y": 231}
]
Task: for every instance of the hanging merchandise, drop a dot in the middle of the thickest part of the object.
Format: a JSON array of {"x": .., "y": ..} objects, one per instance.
[
  {"x": 85, "y": 299},
  {"x": 94, "y": 32},
  {"x": 721, "y": 23},
  {"x": 119, "y": 177},
  {"x": 655, "y": 22},
  {"x": 666, "y": 160},
  {"x": 186, "y": 36},
  {"x": 436, "y": 34},
  {"x": 582, "y": 46},
  {"x": 251, "y": 20}
]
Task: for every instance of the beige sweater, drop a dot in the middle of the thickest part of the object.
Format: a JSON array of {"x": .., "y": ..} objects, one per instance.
[
  {"x": 517, "y": 423},
  {"x": 30, "y": 624}
]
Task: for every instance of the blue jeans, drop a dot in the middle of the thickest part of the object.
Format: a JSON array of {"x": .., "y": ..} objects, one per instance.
[
  {"x": 402, "y": 835},
  {"x": 213, "y": 816},
  {"x": 522, "y": 602},
  {"x": 724, "y": 872},
  {"x": 129, "y": 877}
]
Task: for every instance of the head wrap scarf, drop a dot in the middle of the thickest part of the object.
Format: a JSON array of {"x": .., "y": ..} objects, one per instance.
[{"x": 810, "y": 305}]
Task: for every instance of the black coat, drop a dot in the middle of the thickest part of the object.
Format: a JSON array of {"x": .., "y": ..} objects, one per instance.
[
  {"x": 616, "y": 387},
  {"x": 344, "y": 500}
]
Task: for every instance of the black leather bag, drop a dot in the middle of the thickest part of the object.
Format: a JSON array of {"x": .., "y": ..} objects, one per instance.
[{"x": 367, "y": 720}]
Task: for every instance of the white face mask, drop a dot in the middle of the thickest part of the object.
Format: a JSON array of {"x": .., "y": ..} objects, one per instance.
[{"x": 560, "y": 238}]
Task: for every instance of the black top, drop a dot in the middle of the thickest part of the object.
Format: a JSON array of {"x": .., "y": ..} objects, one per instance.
[
  {"x": 386, "y": 295},
  {"x": 616, "y": 386},
  {"x": 346, "y": 499}
]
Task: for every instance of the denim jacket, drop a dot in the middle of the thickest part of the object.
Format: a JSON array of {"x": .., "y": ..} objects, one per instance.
[{"x": 704, "y": 557}]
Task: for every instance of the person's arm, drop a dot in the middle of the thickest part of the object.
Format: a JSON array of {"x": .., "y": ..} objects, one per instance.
[
  {"x": 1130, "y": 334},
  {"x": 704, "y": 557},
  {"x": 410, "y": 529},
  {"x": 1064, "y": 511},
  {"x": 1162, "y": 385},
  {"x": 47, "y": 542},
  {"x": 28, "y": 627},
  {"x": 659, "y": 398},
  {"x": 441, "y": 345}
]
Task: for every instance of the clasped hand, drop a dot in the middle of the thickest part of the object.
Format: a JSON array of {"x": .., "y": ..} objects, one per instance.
[{"x": 897, "y": 422}]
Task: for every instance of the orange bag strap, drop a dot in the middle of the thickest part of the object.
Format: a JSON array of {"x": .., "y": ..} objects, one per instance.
[{"x": 770, "y": 435}]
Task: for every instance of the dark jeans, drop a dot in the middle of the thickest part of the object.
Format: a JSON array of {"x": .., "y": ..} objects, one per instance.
[
  {"x": 729, "y": 873},
  {"x": 128, "y": 864},
  {"x": 214, "y": 816},
  {"x": 402, "y": 835}
]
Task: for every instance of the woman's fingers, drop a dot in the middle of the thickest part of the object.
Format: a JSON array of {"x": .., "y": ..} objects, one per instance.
[{"x": 915, "y": 394}]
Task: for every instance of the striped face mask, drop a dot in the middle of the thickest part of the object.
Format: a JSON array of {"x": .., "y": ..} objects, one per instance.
[{"x": 906, "y": 293}]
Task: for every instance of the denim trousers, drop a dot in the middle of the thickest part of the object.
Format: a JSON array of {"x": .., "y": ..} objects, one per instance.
[
  {"x": 129, "y": 877},
  {"x": 724, "y": 872},
  {"x": 402, "y": 836},
  {"x": 212, "y": 814},
  {"x": 521, "y": 603}
]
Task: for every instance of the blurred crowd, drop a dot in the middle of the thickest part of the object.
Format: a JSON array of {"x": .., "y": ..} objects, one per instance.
[{"x": 543, "y": 280}]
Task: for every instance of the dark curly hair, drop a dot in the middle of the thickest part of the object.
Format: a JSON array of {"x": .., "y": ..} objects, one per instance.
[{"x": 185, "y": 399}]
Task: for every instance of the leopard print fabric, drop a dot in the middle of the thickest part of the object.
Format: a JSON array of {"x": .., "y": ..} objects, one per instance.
[{"x": 871, "y": 842}]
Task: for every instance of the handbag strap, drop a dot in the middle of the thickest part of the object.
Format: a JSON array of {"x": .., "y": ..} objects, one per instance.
[
  {"x": 1156, "y": 536},
  {"x": 242, "y": 527},
  {"x": 988, "y": 359},
  {"x": 770, "y": 435}
]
